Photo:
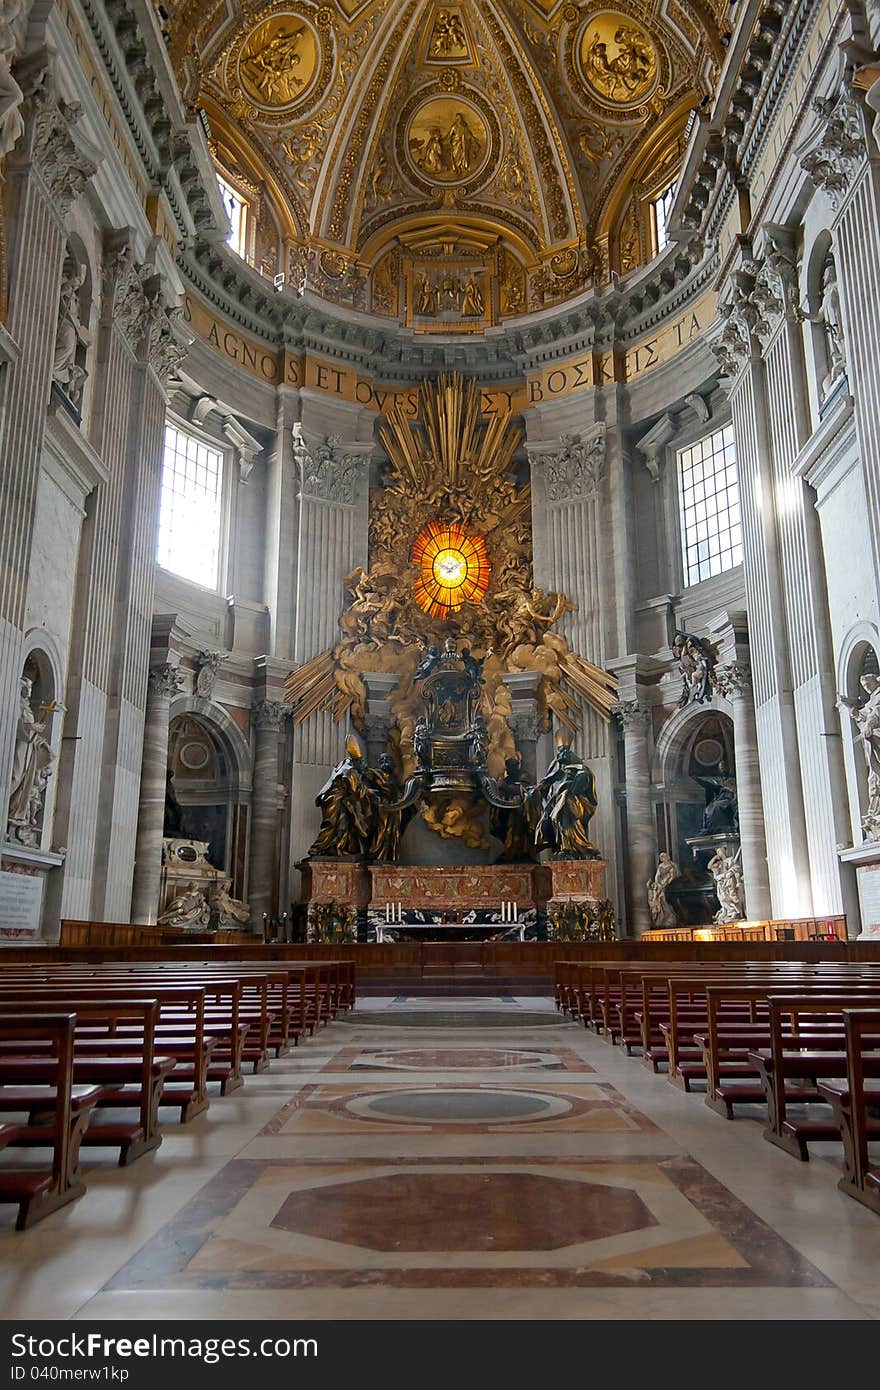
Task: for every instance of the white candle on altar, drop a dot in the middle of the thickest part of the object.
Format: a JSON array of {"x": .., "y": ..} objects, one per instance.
[{"x": 515, "y": 913}]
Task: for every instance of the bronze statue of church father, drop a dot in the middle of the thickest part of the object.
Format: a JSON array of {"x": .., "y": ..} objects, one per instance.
[{"x": 364, "y": 811}]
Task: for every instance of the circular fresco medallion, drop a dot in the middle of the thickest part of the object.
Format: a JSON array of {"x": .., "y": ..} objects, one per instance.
[
  {"x": 447, "y": 141},
  {"x": 279, "y": 61},
  {"x": 618, "y": 59}
]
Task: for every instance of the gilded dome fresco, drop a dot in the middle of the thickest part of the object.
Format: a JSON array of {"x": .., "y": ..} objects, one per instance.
[{"x": 447, "y": 165}]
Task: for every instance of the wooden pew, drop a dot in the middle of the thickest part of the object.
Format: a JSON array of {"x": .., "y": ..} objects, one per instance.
[
  {"x": 850, "y": 1101},
  {"x": 39, "y": 1191},
  {"x": 731, "y": 1078},
  {"x": 130, "y": 1074},
  {"x": 798, "y": 1057},
  {"x": 180, "y": 1033}
]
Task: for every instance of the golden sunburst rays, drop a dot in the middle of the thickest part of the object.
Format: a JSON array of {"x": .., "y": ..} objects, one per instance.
[
  {"x": 596, "y": 687},
  {"x": 454, "y": 446},
  {"x": 313, "y": 689}
]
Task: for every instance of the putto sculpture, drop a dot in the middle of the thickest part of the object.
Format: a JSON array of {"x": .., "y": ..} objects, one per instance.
[{"x": 696, "y": 662}]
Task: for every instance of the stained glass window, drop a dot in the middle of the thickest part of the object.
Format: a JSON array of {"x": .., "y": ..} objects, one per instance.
[{"x": 453, "y": 568}]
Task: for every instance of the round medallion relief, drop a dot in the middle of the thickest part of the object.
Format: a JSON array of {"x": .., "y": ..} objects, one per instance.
[
  {"x": 618, "y": 59},
  {"x": 279, "y": 61},
  {"x": 448, "y": 140}
]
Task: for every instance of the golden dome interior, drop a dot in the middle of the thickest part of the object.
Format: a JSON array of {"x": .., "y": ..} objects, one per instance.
[{"x": 447, "y": 165}]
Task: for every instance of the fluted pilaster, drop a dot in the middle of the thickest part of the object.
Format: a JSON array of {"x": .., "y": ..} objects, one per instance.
[{"x": 44, "y": 176}]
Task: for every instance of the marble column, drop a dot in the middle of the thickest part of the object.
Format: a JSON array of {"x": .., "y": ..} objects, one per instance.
[
  {"x": 263, "y": 872},
  {"x": 162, "y": 686},
  {"x": 735, "y": 684},
  {"x": 641, "y": 831},
  {"x": 535, "y": 747},
  {"x": 378, "y": 721}
]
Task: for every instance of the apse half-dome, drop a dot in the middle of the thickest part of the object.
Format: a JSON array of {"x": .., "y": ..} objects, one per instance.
[{"x": 448, "y": 166}]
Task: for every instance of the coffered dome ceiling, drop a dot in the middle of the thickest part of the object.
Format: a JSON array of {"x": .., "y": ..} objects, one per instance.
[{"x": 447, "y": 165}]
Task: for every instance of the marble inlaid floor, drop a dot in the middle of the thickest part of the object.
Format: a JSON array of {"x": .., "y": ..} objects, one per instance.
[{"x": 402, "y": 1165}]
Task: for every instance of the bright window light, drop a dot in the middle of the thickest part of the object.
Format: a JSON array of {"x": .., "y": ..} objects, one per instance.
[
  {"x": 661, "y": 210},
  {"x": 711, "y": 523},
  {"x": 190, "y": 508},
  {"x": 237, "y": 212}
]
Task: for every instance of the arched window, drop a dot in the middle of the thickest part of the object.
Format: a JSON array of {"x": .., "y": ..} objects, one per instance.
[
  {"x": 661, "y": 210},
  {"x": 238, "y": 210}
]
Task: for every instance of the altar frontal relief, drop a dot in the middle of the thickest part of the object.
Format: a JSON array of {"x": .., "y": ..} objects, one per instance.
[{"x": 450, "y": 560}]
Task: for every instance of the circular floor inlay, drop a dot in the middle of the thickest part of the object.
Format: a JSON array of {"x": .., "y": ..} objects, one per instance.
[{"x": 458, "y": 1105}]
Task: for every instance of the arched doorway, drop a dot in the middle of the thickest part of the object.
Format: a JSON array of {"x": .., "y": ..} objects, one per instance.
[{"x": 208, "y": 792}]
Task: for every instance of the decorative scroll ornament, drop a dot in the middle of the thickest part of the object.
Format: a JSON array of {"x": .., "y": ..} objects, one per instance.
[
  {"x": 574, "y": 471},
  {"x": 329, "y": 470},
  {"x": 206, "y": 675},
  {"x": 832, "y": 163}
]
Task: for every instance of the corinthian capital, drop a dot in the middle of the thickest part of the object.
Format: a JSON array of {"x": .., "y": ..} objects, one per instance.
[
  {"x": 163, "y": 682},
  {"x": 574, "y": 469},
  {"x": 329, "y": 470},
  {"x": 268, "y": 714},
  {"x": 838, "y": 147},
  {"x": 632, "y": 716},
  {"x": 62, "y": 166},
  {"x": 733, "y": 680}
]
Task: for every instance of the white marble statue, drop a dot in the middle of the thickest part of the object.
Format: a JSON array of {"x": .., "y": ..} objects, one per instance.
[
  {"x": 231, "y": 912},
  {"x": 188, "y": 909},
  {"x": 31, "y": 765},
  {"x": 830, "y": 318},
  {"x": 11, "y": 95},
  {"x": 866, "y": 717},
  {"x": 727, "y": 873},
  {"x": 661, "y": 909},
  {"x": 70, "y": 333}
]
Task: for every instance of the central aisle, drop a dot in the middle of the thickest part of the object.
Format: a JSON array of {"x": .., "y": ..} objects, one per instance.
[{"x": 456, "y": 1159}]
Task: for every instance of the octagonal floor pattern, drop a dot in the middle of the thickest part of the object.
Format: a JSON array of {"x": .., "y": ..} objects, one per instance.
[{"x": 381, "y": 1172}]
